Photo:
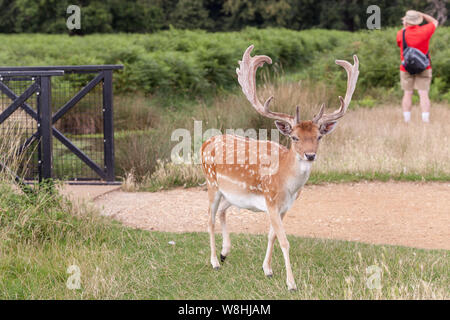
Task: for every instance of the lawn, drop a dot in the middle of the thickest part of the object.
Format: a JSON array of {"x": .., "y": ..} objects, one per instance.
[{"x": 41, "y": 236}]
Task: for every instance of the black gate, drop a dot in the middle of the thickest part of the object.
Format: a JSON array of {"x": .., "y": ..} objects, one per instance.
[{"x": 65, "y": 118}]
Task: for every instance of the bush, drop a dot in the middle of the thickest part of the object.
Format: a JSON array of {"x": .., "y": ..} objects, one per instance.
[
  {"x": 379, "y": 58},
  {"x": 197, "y": 63},
  {"x": 174, "y": 61},
  {"x": 168, "y": 175}
]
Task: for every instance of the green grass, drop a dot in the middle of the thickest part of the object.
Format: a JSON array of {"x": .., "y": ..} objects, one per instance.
[
  {"x": 338, "y": 177},
  {"x": 173, "y": 181},
  {"x": 41, "y": 236}
]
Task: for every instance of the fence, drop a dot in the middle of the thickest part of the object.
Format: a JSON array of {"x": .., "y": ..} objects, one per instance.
[{"x": 64, "y": 115}]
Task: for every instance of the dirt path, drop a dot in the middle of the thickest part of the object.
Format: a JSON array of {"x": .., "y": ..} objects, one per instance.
[
  {"x": 86, "y": 192},
  {"x": 408, "y": 214}
]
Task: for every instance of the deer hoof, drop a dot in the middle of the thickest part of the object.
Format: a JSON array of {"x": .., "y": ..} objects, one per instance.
[
  {"x": 292, "y": 288},
  {"x": 216, "y": 268},
  {"x": 222, "y": 258},
  {"x": 268, "y": 273}
]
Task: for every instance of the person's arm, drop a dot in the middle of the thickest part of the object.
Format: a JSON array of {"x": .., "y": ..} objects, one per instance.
[
  {"x": 430, "y": 19},
  {"x": 399, "y": 39}
]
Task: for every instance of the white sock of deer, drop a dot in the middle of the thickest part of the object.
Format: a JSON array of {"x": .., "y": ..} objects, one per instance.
[
  {"x": 407, "y": 115},
  {"x": 425, "y": 116}
]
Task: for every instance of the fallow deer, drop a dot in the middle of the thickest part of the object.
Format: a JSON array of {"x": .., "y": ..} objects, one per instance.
[{"x": 272, "y": 182}]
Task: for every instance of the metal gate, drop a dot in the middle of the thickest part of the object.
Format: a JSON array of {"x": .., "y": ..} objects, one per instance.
[{"x": 65, "y": 118}]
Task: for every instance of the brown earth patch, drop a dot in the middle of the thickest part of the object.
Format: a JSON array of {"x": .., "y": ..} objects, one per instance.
[{"x": 397, "y": 213}]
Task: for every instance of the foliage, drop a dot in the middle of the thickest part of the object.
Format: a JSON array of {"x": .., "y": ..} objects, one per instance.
[
  {"x": 197, "y": 64},
  {"x": 379, "y": 61},
  {"x": 169, "y": 174},
  {"x": 49, "y": 16}
]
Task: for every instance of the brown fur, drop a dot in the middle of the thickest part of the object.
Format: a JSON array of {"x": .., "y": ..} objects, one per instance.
[
  {"x": 249, "y": 184},
  {"x": 308, "y": 134}
]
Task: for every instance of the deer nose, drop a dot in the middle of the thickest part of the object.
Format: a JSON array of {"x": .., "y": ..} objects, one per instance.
[{"x": 310, "y": 156}]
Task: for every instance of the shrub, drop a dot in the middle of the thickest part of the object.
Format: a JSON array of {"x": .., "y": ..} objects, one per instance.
[
  {"x": 197, "y": 63},
  {"x": 169, "y": 174}
]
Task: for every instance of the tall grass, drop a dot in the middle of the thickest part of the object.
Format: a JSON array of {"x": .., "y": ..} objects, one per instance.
[
  {"x": 376, "y": 140},
  {"x": 12, "y": 160},
  {"x": 369, "y": 143}
]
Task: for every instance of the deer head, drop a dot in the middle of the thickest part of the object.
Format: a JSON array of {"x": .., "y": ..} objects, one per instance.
[{"x": 305, "y": 135}]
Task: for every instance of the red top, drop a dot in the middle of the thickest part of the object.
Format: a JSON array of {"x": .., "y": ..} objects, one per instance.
[{"x": 417, "y": 37}]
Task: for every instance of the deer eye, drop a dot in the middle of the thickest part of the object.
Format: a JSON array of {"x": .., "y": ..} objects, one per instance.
[{"x": 294, "y": 138}]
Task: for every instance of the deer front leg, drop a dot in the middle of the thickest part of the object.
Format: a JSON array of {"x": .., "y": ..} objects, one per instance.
[
  {"x": 214, "y": 199},
  {"x": 226, "y": 242},
  {"x": 267, "y": 264},
  {"x": 275, "y": 221}
]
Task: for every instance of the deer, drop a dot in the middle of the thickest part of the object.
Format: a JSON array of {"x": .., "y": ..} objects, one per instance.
[{"x": 265, "y": 181}]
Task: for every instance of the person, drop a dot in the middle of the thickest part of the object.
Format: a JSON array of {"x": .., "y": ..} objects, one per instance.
[{"x": 417, "y": 37}]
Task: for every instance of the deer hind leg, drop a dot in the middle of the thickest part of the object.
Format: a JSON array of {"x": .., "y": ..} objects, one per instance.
[
  {"x": 226, "y": 242},
  {"x": 267, "y": 264},
  {"x": 275, "y": 222},
  {"x": 214, "y": 200}
]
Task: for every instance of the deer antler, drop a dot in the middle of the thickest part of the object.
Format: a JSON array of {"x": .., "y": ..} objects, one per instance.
[
  {"x": 247, "y": 79},
  {"x": 352, "y": 77}
]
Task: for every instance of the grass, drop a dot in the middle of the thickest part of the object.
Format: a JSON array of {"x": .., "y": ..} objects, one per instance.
[
  {"x": 370, "y": 143},
  {"x": 43, "y": 234},
  {"x": 342, "y": 177},
  {"x": 41, "y": 237},
  {"x": 378, "y": 142}
]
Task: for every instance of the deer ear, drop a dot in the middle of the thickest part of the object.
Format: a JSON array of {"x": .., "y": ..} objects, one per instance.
[
  {"x": 284, "y": 127},
  {"x": 328, "y": 127}
]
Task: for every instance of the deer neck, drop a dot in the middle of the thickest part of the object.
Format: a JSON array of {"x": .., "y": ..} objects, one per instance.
[{"x": 297, "y": 171}]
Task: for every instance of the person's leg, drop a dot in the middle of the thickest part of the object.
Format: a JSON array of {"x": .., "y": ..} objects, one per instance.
[
  {"x": 407, "y": 104},
  {"x": 425, "y": 105},
  {"x": 407, "y": 84},
  {"x": 422, "y": 84}
]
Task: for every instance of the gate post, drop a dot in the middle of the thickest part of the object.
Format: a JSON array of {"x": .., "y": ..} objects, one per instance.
[
  {"x": 45, "y": 128},
  {"x": 108, "y": 129}
]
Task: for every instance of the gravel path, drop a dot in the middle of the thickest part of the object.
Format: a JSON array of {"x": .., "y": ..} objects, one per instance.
[{"x": 407, "y": 214}]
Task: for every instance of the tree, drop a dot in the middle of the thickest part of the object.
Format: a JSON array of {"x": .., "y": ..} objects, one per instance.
[
  {"x": 136, "y": 16},
  {"x": 190, "y": 14},
  {"x": 438, "y": 9}
]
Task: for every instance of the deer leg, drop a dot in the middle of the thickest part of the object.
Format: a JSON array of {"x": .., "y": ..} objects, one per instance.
[
  {"x": 275, "y": 221},
  {"x": 214, "y": 200},
  {"x": 226, "y": 243},
  {"x": 267, "y": 264}
]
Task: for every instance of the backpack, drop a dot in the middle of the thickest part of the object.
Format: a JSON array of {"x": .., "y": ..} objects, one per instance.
[{"x": 414, "y": 60}]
